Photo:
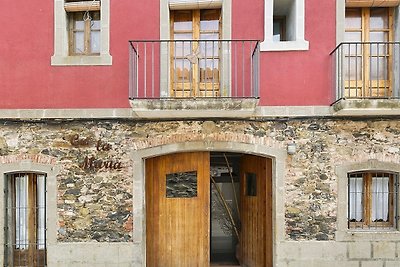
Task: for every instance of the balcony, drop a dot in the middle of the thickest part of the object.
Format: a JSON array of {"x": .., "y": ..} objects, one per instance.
[
  {"x": 189, "y": 78},
  {"x": 366, "y": 78}
]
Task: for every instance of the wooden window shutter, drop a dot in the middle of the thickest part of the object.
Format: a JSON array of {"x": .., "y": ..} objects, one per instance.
[
  {"x": 372, "y": 3},
  {"x": 78, "y": 6}
]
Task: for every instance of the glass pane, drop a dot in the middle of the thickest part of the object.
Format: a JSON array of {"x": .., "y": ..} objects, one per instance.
[
  {"x": 183, "y": 20},
  {"x": 209, "y": 14},
  {"x": 355, "y": 199},
  {"x": 379, "y": 18},
  {"x": 21, "y": 212},
  {"x": 209, "y": 36},
  {"x": 184, "y": 25},
  {"x": 209, "y": 71},
  {"x": 79, "y": 42},
  {"x": 251, "y": 184},
  {"x": 378, "y": 36},
  {"x": 352, "y": 37},
  {"x": 79, "y": 25},
  {"x": 182, "y": 70},
  {"x": 209, "y": 49},
  {"x": 379, "y": 69},
  {"x": 354, "y": 49},
  {"x": 380, "y": 49},
  {"x": 353, "y": 18},
  {"x": 380, "y": 199},
  {"x": 277, "y": 28},
  {"x": 181, "y": 184},
  {"x": 95, "y": 25},
  {"x": 210, "y": 25},
  {"x": 183, "y": 36},
  {"x": 182, "y": 49},
  {"x": 352, "y": 68},
  {"x": 95, "y": 42}
]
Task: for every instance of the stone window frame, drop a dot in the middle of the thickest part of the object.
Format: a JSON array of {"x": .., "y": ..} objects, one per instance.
[
  {"x": 299, "y": 43},
  {"x": 61, "y": 55},
  {"x": 343, "y": 233},
  {"x": 28, "y": 166}
]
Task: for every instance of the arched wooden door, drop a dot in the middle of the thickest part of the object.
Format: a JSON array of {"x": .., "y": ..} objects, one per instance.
[
  {"x": 256, "y": 211},
  {"x": 177, "y": 210}
]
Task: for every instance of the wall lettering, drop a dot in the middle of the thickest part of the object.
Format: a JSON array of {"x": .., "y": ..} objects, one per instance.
[{"x": 91, "y": 162}]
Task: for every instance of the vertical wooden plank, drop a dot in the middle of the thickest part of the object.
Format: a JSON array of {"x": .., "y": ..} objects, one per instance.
[
  {"x": 180, "y": 226},
  {"x": 196, "y": 46},
  {"x": 149, "y": 198},
  {"x": 256, "y": 213}
]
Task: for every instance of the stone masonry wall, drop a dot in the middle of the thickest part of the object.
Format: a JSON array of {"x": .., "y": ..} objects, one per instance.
[{"x": 95, "y": 182}]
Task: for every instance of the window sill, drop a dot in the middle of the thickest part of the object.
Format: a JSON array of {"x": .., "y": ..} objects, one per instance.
[
  {"x": 366, "y": 107},
  {"x": 81, "y": 60},
  {"x": 368, "y": 235},
  {"x": 298, "y": 45}
]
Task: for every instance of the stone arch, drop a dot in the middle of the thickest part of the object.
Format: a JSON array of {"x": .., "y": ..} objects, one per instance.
[{"x": 278, "y": 156}]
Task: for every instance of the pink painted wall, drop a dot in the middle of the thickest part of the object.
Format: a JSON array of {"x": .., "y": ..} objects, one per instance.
[
  {"x": 27, "y": 80},
  {"x": 293, "y": 77}
]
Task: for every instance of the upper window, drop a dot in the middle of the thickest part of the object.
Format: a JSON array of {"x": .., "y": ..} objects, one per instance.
[
  {"x": 81, "y": 32},
  {"x": 284, "y": 26},
  {"x": 84, "y": 33},
  {"x": 25, "y": 227},
  {"x": 368, "y": 52},
  {"x": 372, "y": 200}
]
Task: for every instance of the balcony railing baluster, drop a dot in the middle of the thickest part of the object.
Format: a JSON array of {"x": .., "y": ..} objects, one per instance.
[
  {"x": 366, "y": 70},
  {"x": 193, "y": 69}
]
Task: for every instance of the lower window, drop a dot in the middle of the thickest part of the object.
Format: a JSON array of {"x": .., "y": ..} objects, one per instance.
[
  {"x": 372, "y": 200},
  {"x": 25, "y": 224}
]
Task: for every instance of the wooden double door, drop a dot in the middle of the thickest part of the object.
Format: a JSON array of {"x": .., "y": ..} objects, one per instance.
[{"x": 178, "y": 210}]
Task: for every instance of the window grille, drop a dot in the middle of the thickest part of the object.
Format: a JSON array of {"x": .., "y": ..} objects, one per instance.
[
  {"x": 372, "y": 200},
  {"x": 25, "y": 220}
]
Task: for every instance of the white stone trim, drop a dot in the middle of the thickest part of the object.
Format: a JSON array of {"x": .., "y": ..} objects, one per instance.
[
  {"x": 61, "y": 57},
  {"x": 345, "y": 234},
  {"x": 340, "y": 20},
  {"x": 298, "y": 44},
  {"x": 27, "y": 165},
  {"x": 277, "y": 155}
]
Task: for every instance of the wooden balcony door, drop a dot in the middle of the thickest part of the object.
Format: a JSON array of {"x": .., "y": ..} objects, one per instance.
[
  {"x": 177, "y": 210},
  {"x": 368, "y": 64},
  {"x": 195, "y": 60}
]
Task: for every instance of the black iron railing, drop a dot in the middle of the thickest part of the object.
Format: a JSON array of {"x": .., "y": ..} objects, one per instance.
[
  {"x": 366, "y": 70},
  {"x": 193, "y": 69}
]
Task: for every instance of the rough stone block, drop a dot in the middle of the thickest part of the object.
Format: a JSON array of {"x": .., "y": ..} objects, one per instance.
[
  {"x": 372, "y": 263},
  {"x": 392, "y": 263},
  {"x": 385, "y": 250},
  {"x": 359, "y": 250}
]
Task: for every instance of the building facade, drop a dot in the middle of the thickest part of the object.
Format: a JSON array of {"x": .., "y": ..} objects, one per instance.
[{"x": 200, "y": 133}]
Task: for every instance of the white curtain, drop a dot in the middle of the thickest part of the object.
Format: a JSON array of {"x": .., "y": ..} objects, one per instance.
[
  {"x": 355, "y": 198},
  {"x": 21, "y": 212},
  {"x": 380, "y": 199},
  {"x": 41, "y": 208}
]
